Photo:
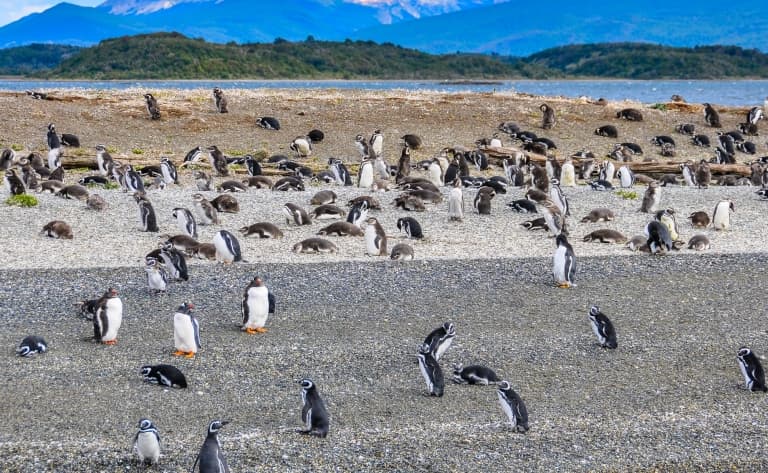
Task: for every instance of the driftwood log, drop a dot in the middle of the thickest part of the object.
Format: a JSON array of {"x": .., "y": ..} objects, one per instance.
[{"x": 496, "y": 155}]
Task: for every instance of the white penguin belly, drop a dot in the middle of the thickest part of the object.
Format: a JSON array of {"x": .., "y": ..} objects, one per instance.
[
  {"x": 558, "y": 266},
  {"x": 258, "y": 307},
  {"x": 184, "y": 333},
  {"x": 370, "y": 241},
  {"x": 148, "y": 447},
  {"x": 507, "y": 410},
  {"x": 114, "y": 310}
]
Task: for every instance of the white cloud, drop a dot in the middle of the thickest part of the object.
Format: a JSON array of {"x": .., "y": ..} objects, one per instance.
[{"x": 12, "y": 10}]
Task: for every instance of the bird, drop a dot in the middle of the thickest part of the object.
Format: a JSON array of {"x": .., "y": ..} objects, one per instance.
[
  {"x": 108, "y": 317},
  {"x": 431, "y": 371},
  {"x": 563, "y": 263},
  {"x": 258, "y": 303},
  {"x": 152, "y": 109},
  {"x": 211, "y": 457},
  {"x": 32, "y": 345},
  {"x": 313, "y": 411},
  {"x": 219, "y": 101},
  {"x": 752, "y": 369},
  {"x": 186, "y": 331},
  {"x": 157, "y": 276},
  {"x": 602, "y": 327},
  {"x": 146, "y": 443},
  {"x": 513, "y": 406},
  {"x": 440, "y": 339}
]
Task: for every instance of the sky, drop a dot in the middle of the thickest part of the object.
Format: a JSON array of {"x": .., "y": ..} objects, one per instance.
[{"x": 12, "y": 10}]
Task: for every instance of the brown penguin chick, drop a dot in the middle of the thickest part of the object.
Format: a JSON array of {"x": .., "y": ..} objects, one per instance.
[
  {"x": 548, "y": 116},
  {"x": 372, "y": 202},
  {"x": 226, "y": 203},
  {"x": 75, "y": 191},
  {"x": 315, "y": 245},
  {"x": 57, "y": 229},
  {"x": 328, "y": 211},
  {"x": 601, "y": 214},
  {"x": 410, "y": 203},
  {"x": 698, "y": 243},
  {"x": 263, "y": 230},
  {"x": 203, "y": 251},
  {"x": 180, "y": 242},
  {"x": 96, "y": 202},
  {"x": 605, "y": 235},
  {"x": 341, "y": 229},
  {"x": 323, "y": 197},
  {"x": 259, "y": 182},
  {"x": 297, "y": 215},
  {"x": 703, "y": 174},
  {"x": 699, "y": 219}
]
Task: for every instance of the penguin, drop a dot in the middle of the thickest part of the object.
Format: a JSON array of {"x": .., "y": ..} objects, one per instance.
[
  {"x": 456, "y": 202},
  {"x": 523, "y": 206},
  {"x": 440, "y": 339},
  {"x": 203, "y": 251},
  {"x": 168, "y": 171},
  {"x": 56, "y": 175},
  {"x": 32, "y": 345},
  {"x": 605, "y": 235},
  {"x": 108, "y": 317},
  {"x": 252, "y": 166},
  {"x": 658, "y": 237},
  {"x": 435, "y": 173},
  {"x": 133, "y": 181},
  {"x": 164, "y": 375},
  {"x": 258, "y": 304},
  {"x": 375, "y": 238},
  {"x": 599, "y": 215},
  {"x": 211, "y": 457},
  {"x": 689, "y": 173},
  {"x": 365, "y": 174},
  {"x": 185, "y": 221},
  {"x": 259, "y": 182},
  {"x": 327, "y": 211},
  {"x": 358, "y": 213},
  {"x": 157, "y": 276},
  {"x": 226, "y": 203},
  {"x": 7, "y": 158},
  {"x": 411, "y": 227},
  {"x": 14, "y": 182},
  {"x": 53, "y": 138},
  {"x": 152, "y": 108},
  {"x": 568, "y": 173},
  {"x": 93, "y": 181},
  {"x": 288, "y": 183},
  {"x": 302, "y": 146},
  {"x": 608, "y": 131},
  {"x": 403, "y": 164},
  {"x": 626, "y": 177},
  {"x": 206, "y": 212},
  {"x": 227, "y": 247},
  {"x": 430, "y": 370},
  {"x": 651, "y": 198},
  {"x": 313, "y": 412},
  {"x": 219, "y": 101},
  {"x": 175, "y": 262},
  {"x": 701, "y": 141},
  {"x": 554, "y": 217},
  {"x": 698, "y": 243},
  {"x": 192, "y": 156},
  {"x": 147, "y": 217},
  {"x": 323, "y": 197},
  {"x": 667, "y": 218},
  {"x": 263, "y": 230},
  {"x": 75, "y": 191},
  {"x": 513, "y": 406},
  {"x": 607, "y": 171},
  {"x": 218, "y": 161},
  {"x": 602, "y": 327},
  {"x": 146, "y": 443},
  {"x": 711, "y": 117},
  {"x": 297, "y": 215},
  {"x": 53, "y": 187},
  {"x": 409, "y": 203},
  {"x": 203, "y": 181},
  {"x": 752, "y": 369},
  {"x": 340, "y": 172},
  {"x": 535, "y": 224},
  {"x": 474, "y": 374},
  {"x": 268, "y": 123},
  {"x": 563, "y": 263},
  {"x": 548, "y": 116},
  {"x": 686, "y": 129},
  {"x": 699, "y": 219},
  {"x": 721, "y": 216},
  {"x": 703, "y": 174},
  {"x": 181, "y": 242},
  {"x": 412, "y": 141},
  {"x": 754, "y": 115},
  {"x": 316, "y": 136},
  {"x": 315, "y": 245},
  {"x": 186, "y": 331},
  {"x": 558, "y": 197},
  {"x": 402, "y": 252},
  {"x": 638, "y": 243},
  {"x": 57, "y": 229},
  {"x": 630, "y": 114},
  {"x": 341, "y": 229},
  {"x": 54, "y": 158},
  {"x": 376, "y": 143}
]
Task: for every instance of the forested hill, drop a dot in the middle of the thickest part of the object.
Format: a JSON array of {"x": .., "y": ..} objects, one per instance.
[{"x": 174, "y": 56}]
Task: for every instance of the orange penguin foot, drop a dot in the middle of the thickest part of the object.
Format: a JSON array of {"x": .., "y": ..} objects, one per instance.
[
  {"x": 179, "y": 353},
  {"x": 254, "y": 331},
  {"x": 189, "y": 355},
  {"x": 564, "y": 285},
  {"x": 110, "y": 342}
]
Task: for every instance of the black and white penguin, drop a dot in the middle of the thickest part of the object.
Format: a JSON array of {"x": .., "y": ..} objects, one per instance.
[
  {"x": 535, "y": 224},
  {"x": 157, "y": 276},
  {"x": 513, "y": 406},
  {"x": 313, "y": 412},
  {"x": 54, "y": 158},
  {"x": 402, "y": 252},
  {"x": 218, "y": 161},
  {"x": 268, "y": 123},
  {"x": 206, "y": 212},
  {"x": 175, "y": 261},
  {"x": 376, "y": 143},
  {"x": 668, "y": 219},
  {"x": 608, "y": 131},
  {"x": 302, "y": 146},
  {"x": 14, "y": 183},
  {"x": 563, "y": 263},
  {"x": 132, "y": 179},
  {"x": 358, "y": 213},
  {"x": 523, "y": 206},
  {"x": 263, "y": 230},
  {"x": 375, "y": 238},
  {"x": 152, "y": 108},
  {"x": 365, "y": 174},
  {"x": 626, "y": 177},
  {"x": 412, "y": 141},
  {"x": 558, "y": 197},
  {"x": 211, "y": 457},
  {"x": 227, "y": 247},
  {"x": 711, "y": 117},
  {"x": 104, "y": 160},
  {"x": 192, "y": 156},
  {"x": 32, "y": 345},
  {"x": 659, "y": 240},
  {"x": 185, "y": 221},
  {"x": 296, "y": 215},
  {"x": 721, "y": 216},
  {"x": 68, "y": 139},
  {"x": 754, "y": 115},
  {"x": 288, "y": 183},
  {"x": 317, "y": 136},
  {"x": 252, "y": 166},
  {"x": 315, "y": 245},
  {"x": 602, "y": 327},
  {"x": 220, "y": 101},
  {"x": 258, "y": 303},
  {"x": 548, "y": 116},
  {"x": 440, "y": 339},
  {"x": 340, "y": 172},
  {"x": 431, "y": 371},
  {"x": 701, "y": 141},
  {"x": 474, "y": 374},
  {"x": 630, "y": 114},
  {"x": 410, "y": 226},
  {"x": 108, "y": 317},
  {"x": 147, "y": 217},
  {"x": 752, "y": 369},
  {"x": 186, "y": 331},
  {"x": 53, "y": 138},
  {"x": 168, "y": 171},
  {"x": 146, "y": 443},
  {"x": 456, "y": 202},
  {"x": 699, "y": 243},
  {"x": 164, "y": 375}
]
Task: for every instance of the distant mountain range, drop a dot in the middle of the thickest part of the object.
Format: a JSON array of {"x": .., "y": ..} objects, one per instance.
[{"x": 513, "y": 27}]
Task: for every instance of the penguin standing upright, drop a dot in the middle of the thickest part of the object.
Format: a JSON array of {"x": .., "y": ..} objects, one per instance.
[
  {"x": 403, "y": 164},
  {"x": 711, "y": 117},
  {"x": 513, "y": 406},
  {"x": 440, "y": 339},
  {"x": 175, "y": 261},
  {"x": 14, "y": 182},
  {"x": 568, "y": 173},
  {"x": 563, "y": 263},
  {"x": 410, "y": 226},
  {"x": 376, "y": 143},
  {"x": 218, "y": 161},
  {"x": 211, "y": 457},
  {"x": 651, "y": 198},
  {"x": 626, "y": 177},
  {"x": 721, "y": 217},
  {"x": 752, "y": 369},
  {"x": 375, "y": 238},
  {"x": 302, "y": 146},
  {"x": 54, "y": 158},
  {"x": 219, "y": 101},
  {"x": 152, "y": 108},
  {"x": 147, "y": 217},
  {"x": 108, "y": 317},
  {"x": 548, "y": 116},
  {"x": 456, "y": 202},
  {"x": 157, "y": 276},
  {"x": 659, "y": 239},
  {"x": 358, "y": 213},
  {"x": 169, "y": 172},
  {"x": 185, "y": 221},
  {"x": 558, "y": 197},
  {"x": 340, "y": 172},
  {"x": 132, "y": 180},
  {"x": 667, "y": 218},
  {"x": 602, "y": 327},
  {"x": 186, "y": 331},
  {"x": 227, "y": 247},
  {"x": 313, "y": 412},
  {"x": 365, "y": 174},
  {"x": 435, "y": 173},
  {"x": 53, "y": 138},
  {"x": 104, "y": 161},
  {"x": 258, "y": 303},
  {"x": 431, "y": 371},
  {"x": 146, "y": 442}
]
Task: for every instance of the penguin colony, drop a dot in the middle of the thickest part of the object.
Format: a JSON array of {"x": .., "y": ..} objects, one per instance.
[{"x": 446, "y": 176}]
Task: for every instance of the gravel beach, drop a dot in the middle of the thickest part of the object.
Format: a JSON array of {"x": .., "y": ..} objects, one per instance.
[{"x": 670, "y": 398}]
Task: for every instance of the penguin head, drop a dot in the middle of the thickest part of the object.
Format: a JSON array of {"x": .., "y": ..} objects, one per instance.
[
  {"x": 743, "y": 351},
  {"x": 359, "y": 139},
  {"x": 504, "y": 386},
  {"x": 457, "y": 368},
  {"x": 424, "y": 348},
  {"x": 51, "y": 127},
  {"x": 149, "y": 96},
  {"x": 198, "y": 197},
  {"x": 307, "y": 384},
  {"x": 186, "y": 308},
  {"x": 146, "y": 370},
  {"x": 216, "y": 425},
  {"x": 111, "y": 292},
  {"x": 145, "y": 424},
  {"x": 257, "y": 281},
  {"x": 561, "y": 240},
  {"x": 449, "y": 328},
  {"x": 593, "y": 311},
  {"x": 401, "y": 223},
  {"x": 151, "y": 262},
  {"x": 23, "y": 350}
]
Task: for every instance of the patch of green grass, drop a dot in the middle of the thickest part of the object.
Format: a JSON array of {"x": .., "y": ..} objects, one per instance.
[
  {"x": 625, "y": 194},
  {"x": 22, "y": 200},
  {"x": 659, "y": 106},
  {"x": 111, "y": 185},
  {"x": 137, "y": 151},
  {"x": 111, "y": 150},
  {"x": 16, "y": 147}
]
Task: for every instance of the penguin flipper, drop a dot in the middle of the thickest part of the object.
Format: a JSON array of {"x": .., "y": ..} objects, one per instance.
[
  {"x": 197, "y": 458},
  {"x": 272, "y": 302}
]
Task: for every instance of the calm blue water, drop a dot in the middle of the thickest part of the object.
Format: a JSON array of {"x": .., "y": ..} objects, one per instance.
[{"x": 737, "y": 92}]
